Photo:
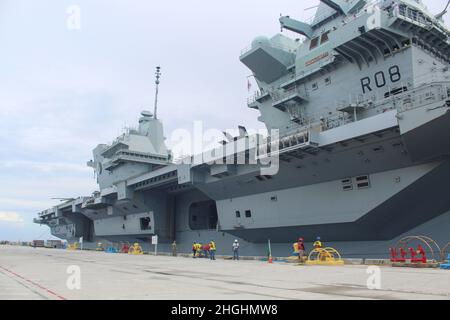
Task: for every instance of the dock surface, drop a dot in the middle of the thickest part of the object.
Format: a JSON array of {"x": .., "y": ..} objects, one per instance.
[{"x": 39, "y": 273}]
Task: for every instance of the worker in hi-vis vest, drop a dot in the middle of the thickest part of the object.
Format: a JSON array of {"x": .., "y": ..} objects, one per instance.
[
  {"x": 212, "y": 250},
  {"x": 317, "y": 243}
]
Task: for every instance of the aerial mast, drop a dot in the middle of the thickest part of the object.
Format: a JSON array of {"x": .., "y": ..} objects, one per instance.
[{"x": 158, "y": 76}]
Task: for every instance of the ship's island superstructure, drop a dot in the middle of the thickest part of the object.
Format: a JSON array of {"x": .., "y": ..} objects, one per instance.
[{"x": 361, "y": 103}]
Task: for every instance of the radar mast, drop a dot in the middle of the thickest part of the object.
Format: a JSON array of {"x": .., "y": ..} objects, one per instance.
[{"x": 157, "y": 82}]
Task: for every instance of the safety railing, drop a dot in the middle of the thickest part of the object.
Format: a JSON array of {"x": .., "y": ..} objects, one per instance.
[
  {"x": 405, "y": 11},
  {"x": 313, "y": 20},
  {"x": 256, "y": 96},
  {"x": 278, "y": 96},
  {"x": 398, "y": 100},
  {"x": 412, "y": 14}
]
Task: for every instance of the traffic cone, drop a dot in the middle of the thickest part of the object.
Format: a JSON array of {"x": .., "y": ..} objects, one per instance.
[{"x": 270, "y": 259}]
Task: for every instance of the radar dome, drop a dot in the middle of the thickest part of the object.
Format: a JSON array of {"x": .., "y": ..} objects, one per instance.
[
  {"x": 146, "y": 113},
  {"x": 260, "y": 41}
]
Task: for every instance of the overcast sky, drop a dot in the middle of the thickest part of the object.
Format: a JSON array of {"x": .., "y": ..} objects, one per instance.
[{"x": 64, "y": 91}]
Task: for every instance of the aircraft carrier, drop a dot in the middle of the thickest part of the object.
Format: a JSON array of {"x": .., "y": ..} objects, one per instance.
[{"x": 357, "y": 110}]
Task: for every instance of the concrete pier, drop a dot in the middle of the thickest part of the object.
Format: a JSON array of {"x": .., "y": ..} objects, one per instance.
[{"x": 29, "y": 273}]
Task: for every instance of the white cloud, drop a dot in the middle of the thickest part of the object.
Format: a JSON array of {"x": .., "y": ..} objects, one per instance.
[
  {"x": 46, "y": 166},
  {"x": 12, "y": 217},
  {"x": 24, "y": 204}
]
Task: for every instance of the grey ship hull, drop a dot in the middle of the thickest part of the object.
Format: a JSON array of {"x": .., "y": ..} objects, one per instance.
[
  {"x": 361, "y": 175},
  {"x": 405, "y": 197}
]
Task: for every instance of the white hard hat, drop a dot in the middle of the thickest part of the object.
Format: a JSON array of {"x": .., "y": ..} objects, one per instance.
[{"x": 235, "y": 240}]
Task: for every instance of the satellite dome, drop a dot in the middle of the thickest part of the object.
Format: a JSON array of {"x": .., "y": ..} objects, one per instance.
[
  {"x": 260, "y": 41},
  {"x": 146, "y": 113}
]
